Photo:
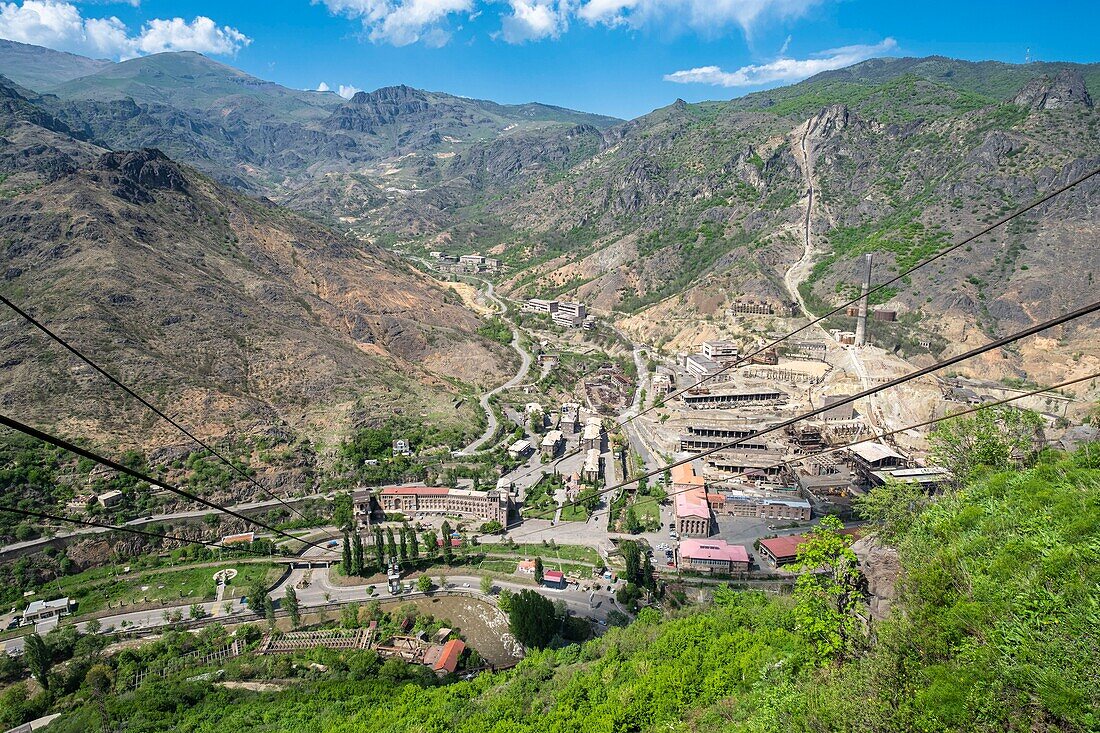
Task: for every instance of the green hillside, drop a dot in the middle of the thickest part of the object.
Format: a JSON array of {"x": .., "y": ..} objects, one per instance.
[{"x": 995, "y": 629}]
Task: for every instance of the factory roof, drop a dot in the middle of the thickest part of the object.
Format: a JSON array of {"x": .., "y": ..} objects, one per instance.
[
  {"x": 713, "y": 550},
  {"x": 874, "y": 452}
]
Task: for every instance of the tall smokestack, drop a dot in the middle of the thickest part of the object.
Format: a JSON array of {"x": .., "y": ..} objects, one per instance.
[{"x": 861, "y": 320}]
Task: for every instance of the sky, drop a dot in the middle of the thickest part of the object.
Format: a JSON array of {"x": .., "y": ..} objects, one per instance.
[{"x": 615, "y": 57}]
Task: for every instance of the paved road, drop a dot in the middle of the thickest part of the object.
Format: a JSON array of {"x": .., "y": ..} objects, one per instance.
[{"x": 525, "y": 366}]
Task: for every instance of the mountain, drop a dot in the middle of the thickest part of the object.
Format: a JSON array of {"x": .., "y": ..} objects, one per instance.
[
  {"x": 680, "y": 212},
  {"x": 262, "y": 136},
  {"x": 239, "y": 316},
  {"x": 37, "y": 67}
]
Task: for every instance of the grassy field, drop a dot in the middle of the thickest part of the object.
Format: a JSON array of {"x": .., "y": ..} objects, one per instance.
[
  {"x": 574, "y": 513},
  {"x": 565, "y": 552},
  {"x": 498, "y": 566},
  {"x": 181, "y": 585},
  {"x": 648, "y": 512}
]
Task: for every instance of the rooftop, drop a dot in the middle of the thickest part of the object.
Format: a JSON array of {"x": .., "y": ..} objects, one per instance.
[
  {"x": 873, "y": 452},
  {"x": 415, "y": 491},
  {"x": 448, "y": 658},
  {"x": 713, "y": 550}
]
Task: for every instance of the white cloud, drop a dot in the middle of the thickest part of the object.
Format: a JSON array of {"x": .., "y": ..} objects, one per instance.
[
  {"x": 533, "y": 20},
  {"x": 402, "y": 22},
  {"x": 60, "y": 25},
  {"x": 201, "y": 34},
  {"x": 348, "y": 91},
  {"x": 322, "y": 87},
  {"x": 706, "y": 17},
  {"x": 782, "y": 69}
]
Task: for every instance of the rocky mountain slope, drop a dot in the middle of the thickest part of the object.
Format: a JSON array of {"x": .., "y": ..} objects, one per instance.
[
  {"x": 37, "y": 67},
  {"x": 663, "y": 221},
  {"x": 688, "y": 208},
  {"x": 259, "y": 135},
  {"x": 236, "y": 315}
]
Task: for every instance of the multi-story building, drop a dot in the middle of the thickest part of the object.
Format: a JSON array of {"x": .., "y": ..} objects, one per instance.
[
  {"x": 719, "y": 350},
  {"x": 703, "y": 367},
  {"x": 39, "y": 611},
  {"x": 570, "y": 315},
  {"x": 661, "y": 384},
  {"x": 484, "y": 506},
  {"x": 765, "y": 506},
  {"x": 703, "y": 436},
  {"x": 713, "y": 556},
  {"x": 590, "y": 473},
  {"x": 740, "y": 462},
  {"x": 708, "y": 399},
  {"x": 592, "y": 439},
  {"x": 691, "y": 507},
  {"x": 538, "y": 305},
  {"x": 551, "y": 443}
]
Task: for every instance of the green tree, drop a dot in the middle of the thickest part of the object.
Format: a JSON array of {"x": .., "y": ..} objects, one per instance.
[
  {"x": 99, "y": 680},
  {"x": 414, "y": 545},
  {"x": 994, "y": 438},
  {"x": 631, "y": 525},
  {"x": 343, "y": 510},
  {"x": 531, "y": 619},
  {"x": 349, "y": 616},
  {"x": 486, "y": 584},
  {"x": 892, "y": 508},
  {"x": 391, "y": 544},
  {"x": 258, "y": 600},
  {"x": 589, "y": 498},
  {"x": 432, "y": 543},
  {"x": 448, "y": 551},
  {"x": 290, "y": 603},
  {"x": 358, "y": 558},
  {"x": 539, "y": 572},
  {"x": 347, "y": 562},
  {"x": 424, "y": 583},
  {"x": 379, "y": 550},
  {"x": 828, "y": 592},
  {"x": 403, "y": 548},
  {"x": 38, "y": 659},
  {"x": 632, "y": 556},
  {"x": 196, "y": 611}
]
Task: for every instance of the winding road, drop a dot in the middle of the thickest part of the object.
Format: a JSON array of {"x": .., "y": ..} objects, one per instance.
[{"x": 524, "y": 367}]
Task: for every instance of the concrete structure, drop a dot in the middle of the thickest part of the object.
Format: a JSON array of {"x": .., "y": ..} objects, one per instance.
[
  {"x": 885, "y": 316},
  {"x": 807, "y": 350},
  {"x": 713, "y": 556},
  {"x": 708, "y": 399},
  {"x": 691, "y": 508},
  {"x": 570, "y": 417},
  {"x": 870, "y": 457},
  {"x": 538, "y": 305},
  {"x": 748, "y": 463},
  {"x": 701, "y": 436},
  {"x": 928, "y": 478},
  {"x": 746, "y": 307},
  {"x": 402, "y": 447},
  {"x": 486, "y": 506},
  {"x": 39, "y": 611},
  {"x": 840, "y": 412},
  {"x": 784, "y": 550},
  {"x": 661, "y": 384},
  {"x": 719, "y": 350},
  {"x": 590, "y": 473},
  {"x": 702, "y": 367},
  {"x": 110, "y": 499},
  {"x": 861, "y": 319},
  {"x": 592, "y": 439},
  {"x": 570, "y": 315},
  {"x": 244, "y": 538},
  {"x": 521, "y": 448},
  {"x": 551, "y": 443},
  {"x": 765, "y": 506}
]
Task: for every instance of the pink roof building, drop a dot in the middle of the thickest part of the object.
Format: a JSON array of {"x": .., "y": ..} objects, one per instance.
[
  {"x": 713, "y": 556},
  {"x": 553, "y": 577}
]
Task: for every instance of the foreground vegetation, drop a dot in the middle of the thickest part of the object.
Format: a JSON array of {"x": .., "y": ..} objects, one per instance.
[{"x": 995, "y": 628}]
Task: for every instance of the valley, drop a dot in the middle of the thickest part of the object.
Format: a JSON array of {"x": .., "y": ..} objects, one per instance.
[{"x": 505, "y": 415}]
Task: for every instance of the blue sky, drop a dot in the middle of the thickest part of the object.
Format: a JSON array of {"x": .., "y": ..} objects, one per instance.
[{"x": 617, "y": 57}]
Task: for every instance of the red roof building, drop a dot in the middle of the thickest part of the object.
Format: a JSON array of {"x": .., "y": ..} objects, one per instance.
[
  {"x": 447, "y": 662},
  {"x": 784, "y": 550},
  {"x": 553, "y": 578}
]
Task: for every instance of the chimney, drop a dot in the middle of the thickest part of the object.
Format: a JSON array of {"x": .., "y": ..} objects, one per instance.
[{"x": 861, "y": 319}]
